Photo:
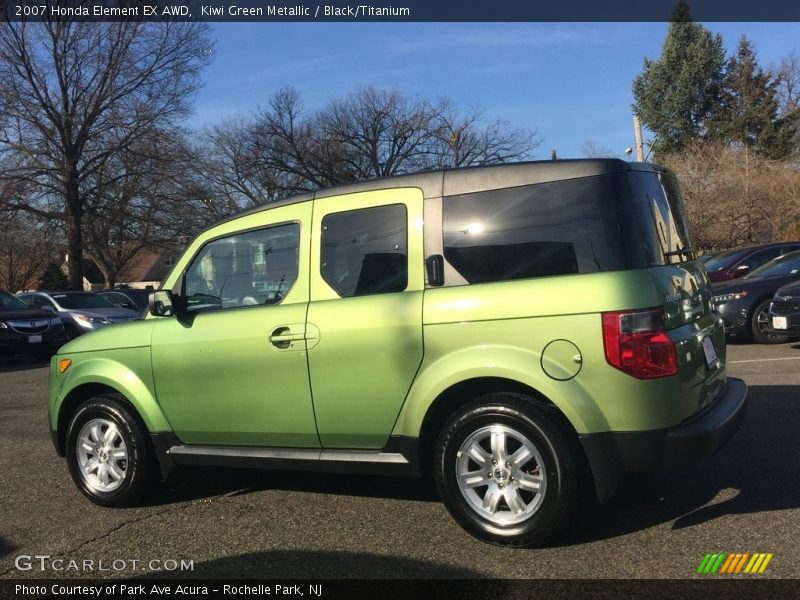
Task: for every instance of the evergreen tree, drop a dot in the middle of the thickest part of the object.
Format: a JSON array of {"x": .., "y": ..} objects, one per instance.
[
  {"x": 675, "y": 95},
  {"x": 53, "y": 278},
  {"x": 748, "y": 113}
]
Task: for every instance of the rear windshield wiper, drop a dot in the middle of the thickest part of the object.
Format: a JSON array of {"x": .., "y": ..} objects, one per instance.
[{"x": 687, "y": 252}]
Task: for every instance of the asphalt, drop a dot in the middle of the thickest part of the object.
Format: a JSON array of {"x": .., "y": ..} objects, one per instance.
[{"x": 269, "y": 524}]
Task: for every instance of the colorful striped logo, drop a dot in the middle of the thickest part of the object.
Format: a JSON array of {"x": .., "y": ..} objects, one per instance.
[{"x": 724, "y": 563}]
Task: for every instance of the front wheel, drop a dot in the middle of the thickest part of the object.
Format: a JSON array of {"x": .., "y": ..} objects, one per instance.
[
  {"x": 507, "y": 472},
  {"x": 108, "y": 454},
  {"x": 760, "y": 326}
]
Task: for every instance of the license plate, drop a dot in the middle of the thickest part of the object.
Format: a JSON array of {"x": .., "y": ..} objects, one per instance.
[
  {"x": 779, "y": 323},
  {"x": 34, "y": 339},
  {"x": 710, "y": 351}
]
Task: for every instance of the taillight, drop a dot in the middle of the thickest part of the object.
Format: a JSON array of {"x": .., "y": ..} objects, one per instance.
[{"x": 637, "y": 344}]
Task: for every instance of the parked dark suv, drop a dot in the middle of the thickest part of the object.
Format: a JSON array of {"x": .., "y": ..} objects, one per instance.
[
  {"x": 735, "y": 263},
  {"x": 27, "y": 331}
]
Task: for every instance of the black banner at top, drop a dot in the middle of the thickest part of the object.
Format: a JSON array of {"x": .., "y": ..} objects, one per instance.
[{"x": 395, "y": 10}]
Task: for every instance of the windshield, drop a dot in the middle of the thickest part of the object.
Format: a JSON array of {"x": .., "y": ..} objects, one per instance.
[
  {"x": 10, "y": 302},
  {"x": 724, "y": 260},
  {"x": 788, "y": 264},
  {"x": 81, "y": 301}
]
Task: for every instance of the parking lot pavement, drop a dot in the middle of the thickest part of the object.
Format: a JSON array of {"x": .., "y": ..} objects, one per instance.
[{"x": 256, "y": 524}]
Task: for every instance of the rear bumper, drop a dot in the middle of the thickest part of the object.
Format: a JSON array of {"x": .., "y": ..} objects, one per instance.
[{"x": 611, "y": 455}]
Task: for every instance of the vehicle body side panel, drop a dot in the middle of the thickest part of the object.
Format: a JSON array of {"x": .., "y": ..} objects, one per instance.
[
  {"x": 464, "y": 339},
  {"x": 128, "y": 371},
  {"x": 369, "y": 347},
  {"x": 218, "y": 377}
]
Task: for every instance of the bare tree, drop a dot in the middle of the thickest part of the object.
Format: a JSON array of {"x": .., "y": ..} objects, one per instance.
[
  {"x": 368, "y": 134},
  {"x": 591, "y": 149},
  {"x": 136, "y": 202},
  {"x": 25, "y": 246},
  {"x": 74, "y": 95},
  {"x": 735, "y": 196},
  {"x": 298, "y": 149},
  {"x": 789, "y": 82},
  {"x": 381, "y": 133},
  {"x": 463, "y": 141},
  {"x": 235, "y": 172}
]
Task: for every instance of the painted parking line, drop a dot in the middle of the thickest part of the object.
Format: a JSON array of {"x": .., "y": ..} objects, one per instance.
[{"x": 736, "y": 362}]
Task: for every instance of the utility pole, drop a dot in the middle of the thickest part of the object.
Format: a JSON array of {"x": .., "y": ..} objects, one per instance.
[{"x": 637, "y": 131}]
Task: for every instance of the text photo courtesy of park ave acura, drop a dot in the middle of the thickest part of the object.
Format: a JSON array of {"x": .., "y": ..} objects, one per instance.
[{"x": 298, "y": 307}]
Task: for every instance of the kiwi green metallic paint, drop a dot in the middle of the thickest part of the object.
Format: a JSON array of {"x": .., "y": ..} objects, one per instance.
[
  {"x": 465, "y": 340},
  {"x": 313, "y": 375},
  {"x": 118, "y": 359},
  {"x": 217, "y": 376},
  {"x": 374, "y": 340}
]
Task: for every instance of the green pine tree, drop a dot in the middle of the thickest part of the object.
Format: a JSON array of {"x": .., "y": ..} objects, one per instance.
[
  {"x": 676, "y": 94},
  {"x": 53, "y": 278},
  {"x": 748, "y": 113}
]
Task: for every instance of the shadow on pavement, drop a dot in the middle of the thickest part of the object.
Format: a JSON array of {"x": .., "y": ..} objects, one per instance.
[
  {"x": 5, "y": 547},
  {"x": 196, "y": 483},
  {"x": 756, "y": 472},
  {"x": 287, "y": 564}
]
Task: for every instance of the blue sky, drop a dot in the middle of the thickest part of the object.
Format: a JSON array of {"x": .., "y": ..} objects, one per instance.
[{"x": 569, "y": 81}]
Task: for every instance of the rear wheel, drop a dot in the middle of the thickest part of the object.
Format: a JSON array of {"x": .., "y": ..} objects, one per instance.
[
  {"x": 507, "y": 472},
  {"x": 760, "y": 326},
  {"x": 108, "y": 454}
]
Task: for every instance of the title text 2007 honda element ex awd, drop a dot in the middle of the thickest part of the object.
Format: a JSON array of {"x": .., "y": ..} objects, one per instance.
[{"x": 515, "y": 331}]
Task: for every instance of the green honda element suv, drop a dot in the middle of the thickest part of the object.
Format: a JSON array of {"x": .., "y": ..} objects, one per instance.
[{"x": 525, "y": 334}]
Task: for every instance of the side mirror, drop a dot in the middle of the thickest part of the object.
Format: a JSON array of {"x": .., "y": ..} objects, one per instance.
[
  {"x": 741, "y": 270},
  {"x": 48, "y": 308},
  {"x": 434, "y": 266},
  {"x": 160, "y": 303}
]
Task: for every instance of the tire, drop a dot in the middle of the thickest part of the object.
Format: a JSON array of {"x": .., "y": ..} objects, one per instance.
[
  {"x": 504, "y": 508},
  {"x": 759, "y": 323},
  {"x": 111, "y": 468}
]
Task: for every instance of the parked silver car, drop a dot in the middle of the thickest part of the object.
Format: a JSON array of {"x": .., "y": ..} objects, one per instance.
[{"x": 79, "y": 311}]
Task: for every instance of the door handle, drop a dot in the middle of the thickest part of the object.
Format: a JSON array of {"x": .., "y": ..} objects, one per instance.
[{"x": 282, "y": 337}]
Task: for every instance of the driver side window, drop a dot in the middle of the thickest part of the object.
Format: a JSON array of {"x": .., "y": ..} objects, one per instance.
[{"x": 247, "y": 269}]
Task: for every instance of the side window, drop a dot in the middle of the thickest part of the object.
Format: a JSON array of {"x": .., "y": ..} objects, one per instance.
[
  {"x": 538, "y": 230},
  {"x": 366, "y": 251},
  {"x": 247, "y": 269},
  {"x": 759, "y": 258},
  {"x": 39, "y": 302},
  {"x": 122, "y": 300},
  {"x": 115, "y": 298}
]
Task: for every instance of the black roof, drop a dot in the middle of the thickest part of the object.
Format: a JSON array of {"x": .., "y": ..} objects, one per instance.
[{"x": 466, "y": 180}]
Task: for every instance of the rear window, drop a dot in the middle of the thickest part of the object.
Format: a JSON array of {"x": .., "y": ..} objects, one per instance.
[
  {"x": 556, "y": 228},
  {"x": 664, "y": 226}
]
